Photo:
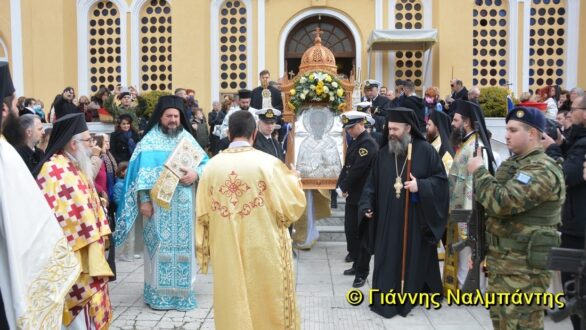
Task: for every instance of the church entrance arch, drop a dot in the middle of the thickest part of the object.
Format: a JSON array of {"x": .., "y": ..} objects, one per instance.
[{"x": 336, "y": 36}]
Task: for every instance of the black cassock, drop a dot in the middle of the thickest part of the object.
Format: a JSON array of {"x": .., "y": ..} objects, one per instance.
[
  {"x": 428, "y": 213},
  {"x": 269, "y": 145}
]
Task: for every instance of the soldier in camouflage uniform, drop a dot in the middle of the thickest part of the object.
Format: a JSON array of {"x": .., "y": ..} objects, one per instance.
[{"x": 523, "y": 204}]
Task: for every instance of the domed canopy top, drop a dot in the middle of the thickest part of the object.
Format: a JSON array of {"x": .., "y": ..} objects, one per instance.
[{"x": 318, "y": 57}]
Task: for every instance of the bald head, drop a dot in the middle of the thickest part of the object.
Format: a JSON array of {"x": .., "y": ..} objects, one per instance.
[{"x": 578, "y": 111}]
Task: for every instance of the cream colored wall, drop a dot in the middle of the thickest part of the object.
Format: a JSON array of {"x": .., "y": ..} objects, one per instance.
[
  {"x": 5, "y": 25},
  {"x": 455, "y": 43},
  {"x": 49, "y": 47},
  {"x": 50, "y": 41},
  {"x": 436, "y": 49},
  {"x": 280, "y": 12},
  {"x": 582, "y": 47},
  {"x": 520, "y": 19}
]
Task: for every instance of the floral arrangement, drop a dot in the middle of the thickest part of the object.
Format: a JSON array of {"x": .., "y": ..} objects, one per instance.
[{"x": 317, "y": 87}]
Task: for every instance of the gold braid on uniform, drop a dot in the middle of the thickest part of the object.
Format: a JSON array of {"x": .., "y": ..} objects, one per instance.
[{"x": 288, "y": 285}]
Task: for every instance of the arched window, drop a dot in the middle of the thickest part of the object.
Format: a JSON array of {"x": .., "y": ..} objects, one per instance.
[
  {"x": 547, "y": 42},
  {"x": 490, "y": 43},
  {"x": 336, "y": 36},
  {"x": 233, "y": 20},
  {"x": 155, "y": 46},
  {"x": 409, "y": 64},
  {"x": 104, "y": 45}
]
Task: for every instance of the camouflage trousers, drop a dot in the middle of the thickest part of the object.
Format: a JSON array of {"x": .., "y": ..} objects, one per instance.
[{"x": 517, "y": 316}]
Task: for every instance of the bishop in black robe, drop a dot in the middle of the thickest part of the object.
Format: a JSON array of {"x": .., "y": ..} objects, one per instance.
[{"x": 428, "y": 213}]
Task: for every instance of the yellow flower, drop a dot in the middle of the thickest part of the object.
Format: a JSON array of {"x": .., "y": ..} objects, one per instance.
[
  {"x": 320, "y": 83},
  {"x": 319, "y": 89},
  {"x": 342, "y": 106},
  {"x": 311, "y": 77},
  {"x": 292, "y": 92},
  {"x": 340, "y": 92},
  {"x": 328, "y": 78}
]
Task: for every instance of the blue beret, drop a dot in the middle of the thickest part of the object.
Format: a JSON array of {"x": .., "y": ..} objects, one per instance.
[{"x": 529, "y": 116}]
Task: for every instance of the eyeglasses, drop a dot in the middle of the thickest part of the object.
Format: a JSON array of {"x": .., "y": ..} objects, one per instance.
[{"x": 86, "y": 140}]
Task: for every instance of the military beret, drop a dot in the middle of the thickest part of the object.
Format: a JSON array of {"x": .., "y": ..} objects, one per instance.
[
  {"x": 268, "y": 114},
  {"x": 352, "y": 118},
  {"x": 529, "y": 116}
]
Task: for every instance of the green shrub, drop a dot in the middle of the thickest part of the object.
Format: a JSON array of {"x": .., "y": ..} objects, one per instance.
[
  {"x": 147, "y": 102},
  {"x": 493, "y": 101}
]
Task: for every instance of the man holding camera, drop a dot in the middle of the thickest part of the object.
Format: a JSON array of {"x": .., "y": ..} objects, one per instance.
[{"x": 573, "y": 151}]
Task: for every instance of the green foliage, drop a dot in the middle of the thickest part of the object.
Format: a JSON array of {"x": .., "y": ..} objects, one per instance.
[
  {"x": 493, "y": 101},
  {"x": 147, "y": 102},
  {"x": 317, "y": 87}
]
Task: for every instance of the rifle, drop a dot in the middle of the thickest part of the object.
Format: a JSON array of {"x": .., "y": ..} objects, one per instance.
[
  {"x": 571, "y": 261},
  {"x": 476, "y": 230}
]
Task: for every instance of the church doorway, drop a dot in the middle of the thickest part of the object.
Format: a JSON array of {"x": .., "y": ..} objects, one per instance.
[{"x": 336, "y": 36}]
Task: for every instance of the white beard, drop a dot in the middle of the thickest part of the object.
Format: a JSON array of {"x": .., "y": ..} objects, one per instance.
[{"x": 84, "y": 162}]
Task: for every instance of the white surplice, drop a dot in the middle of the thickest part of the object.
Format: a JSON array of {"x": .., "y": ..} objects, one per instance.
[{"x": 37, "y": 267}]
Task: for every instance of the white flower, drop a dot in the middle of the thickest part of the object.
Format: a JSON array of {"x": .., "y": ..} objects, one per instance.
[
  {"x": 303, "y": 80},
  {"x": 326, "y": 89},
  {"x": 335, "y": 84},
  {"x": 302, "y": 96},
  {"x": 312, "y": 87},
  {"x": 331, "y": 98}
]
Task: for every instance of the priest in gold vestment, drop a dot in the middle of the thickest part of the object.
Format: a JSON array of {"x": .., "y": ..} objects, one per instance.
[{"x": 245, "y": 202}]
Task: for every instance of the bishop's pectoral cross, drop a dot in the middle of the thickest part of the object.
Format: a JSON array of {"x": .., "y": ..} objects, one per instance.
[
  {"x": 398, "y": 186},
  {"x": 291, "y": 74}
]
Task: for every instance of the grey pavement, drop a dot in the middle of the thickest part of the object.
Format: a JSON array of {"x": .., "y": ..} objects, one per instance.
[{"x": 321, "y": 298}]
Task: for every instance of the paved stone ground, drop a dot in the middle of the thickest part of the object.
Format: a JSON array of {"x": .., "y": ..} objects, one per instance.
[{"x": 321, "y": 290}]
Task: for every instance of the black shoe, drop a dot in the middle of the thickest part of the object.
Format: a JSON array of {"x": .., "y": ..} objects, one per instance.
[
  {"x": 350, "y": 271},
  {"x": 348, "y": 258},
  {"x": 358, "y": 282}
]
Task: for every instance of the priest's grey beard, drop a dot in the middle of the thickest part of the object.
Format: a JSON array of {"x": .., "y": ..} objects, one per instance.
[
  {"x": 172, "y": 132},
  {"x": 457, "y": 136},
  {"x": 398, "y": 146},
  {"x": 83, "y": 160}
]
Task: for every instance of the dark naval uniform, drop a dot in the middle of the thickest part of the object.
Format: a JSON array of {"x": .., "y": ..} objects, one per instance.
[
  {"x": 359, "y": 157},
  {"x": 379, "y": 107},
  {"x": 523, "y": 203},
  {"x": 269, "y": 145}
]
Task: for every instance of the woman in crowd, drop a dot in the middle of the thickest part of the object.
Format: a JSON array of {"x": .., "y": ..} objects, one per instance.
[
  {"x": 124, "y": 139},
  {"x": 548, "y": 96},
  {"x": 431, "y": 101}
]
